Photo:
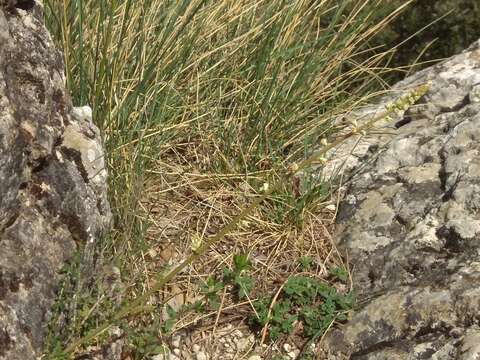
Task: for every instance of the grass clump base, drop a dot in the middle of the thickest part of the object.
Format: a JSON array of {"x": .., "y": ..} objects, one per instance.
[{"x": 204, "y": 107}]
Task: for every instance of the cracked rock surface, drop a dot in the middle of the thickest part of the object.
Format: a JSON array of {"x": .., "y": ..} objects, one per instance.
[
  {"x": 52, "y": 177},
  {"x": 410, "y": 224}
]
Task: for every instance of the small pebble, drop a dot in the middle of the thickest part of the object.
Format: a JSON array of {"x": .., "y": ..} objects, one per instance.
[
  {"x": 331, "y": 207},
  {"x": 455, "y": 332},
  {"x": 201, "y": 356},
  {"x": 243, "y": 344},
  {"x": 293, "y": 354},
  {"x": 166, "y": 356},
  {"x": 177, "y": 352},
  {"x": 176, "y": 341},
  {"x": 196, "y": 348},
  {"x": 152, "y": 253},
  {"x": 287, "y": 347}
]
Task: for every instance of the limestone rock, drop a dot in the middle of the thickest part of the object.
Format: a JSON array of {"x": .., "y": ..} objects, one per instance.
[
  {"x": 410, "y": 223},
  {"x": 52, "y": 176}
]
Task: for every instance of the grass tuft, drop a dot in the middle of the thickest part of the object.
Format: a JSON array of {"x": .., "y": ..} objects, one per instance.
[{"x": 204, "y": 106}]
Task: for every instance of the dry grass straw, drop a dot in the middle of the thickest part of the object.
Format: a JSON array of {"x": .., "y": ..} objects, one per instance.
[{"x": 202, "y": 102}]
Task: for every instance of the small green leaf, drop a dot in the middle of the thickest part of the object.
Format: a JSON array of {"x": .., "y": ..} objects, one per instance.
[
  {"x": 340, "y": 273},
  {"x": 171, "y": 311},
  {"x": 245, "y": 285},
  {"x": 305, "y": 263},
  {"x": 241, "y": 263}
]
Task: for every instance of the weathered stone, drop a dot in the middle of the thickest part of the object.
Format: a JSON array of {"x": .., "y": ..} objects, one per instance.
[
  {"x": 410, "y": 224},
  {"x": 52, "y": 176}
]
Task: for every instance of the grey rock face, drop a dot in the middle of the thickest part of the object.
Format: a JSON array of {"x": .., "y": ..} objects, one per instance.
[
  {"x": 410, "y": 223},
  {"x": 52, "y": 178}
]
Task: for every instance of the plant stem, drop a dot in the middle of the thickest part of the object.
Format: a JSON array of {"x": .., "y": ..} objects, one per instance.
[{"x": 138, "y": 304}]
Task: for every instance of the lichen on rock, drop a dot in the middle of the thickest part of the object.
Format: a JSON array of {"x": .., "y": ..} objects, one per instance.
[
  {"x": 410, "y": 225},
  {"x": 53, "y": 194}
]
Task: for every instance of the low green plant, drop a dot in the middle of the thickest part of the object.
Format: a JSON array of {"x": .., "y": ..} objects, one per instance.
[
  {"x": 339, "y": 273},
  {"x": 146, "y": 341},
  {"x": 314, "y": 303},
  {"x": 167, "y": 324},
  {"x": 307, "y": 356},
  {"x": 238, "y": 277},
  {"x": 305, "y": 263},
  {"x": 80, "y": 305},
  {"x": 279, "y": 318},
  {"x": 210, "y": 290}
]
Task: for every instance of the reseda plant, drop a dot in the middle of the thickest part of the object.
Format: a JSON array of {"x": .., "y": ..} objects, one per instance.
[
  {"x": 402, "y": 103},
  {"x": 197, "y": 98}
]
